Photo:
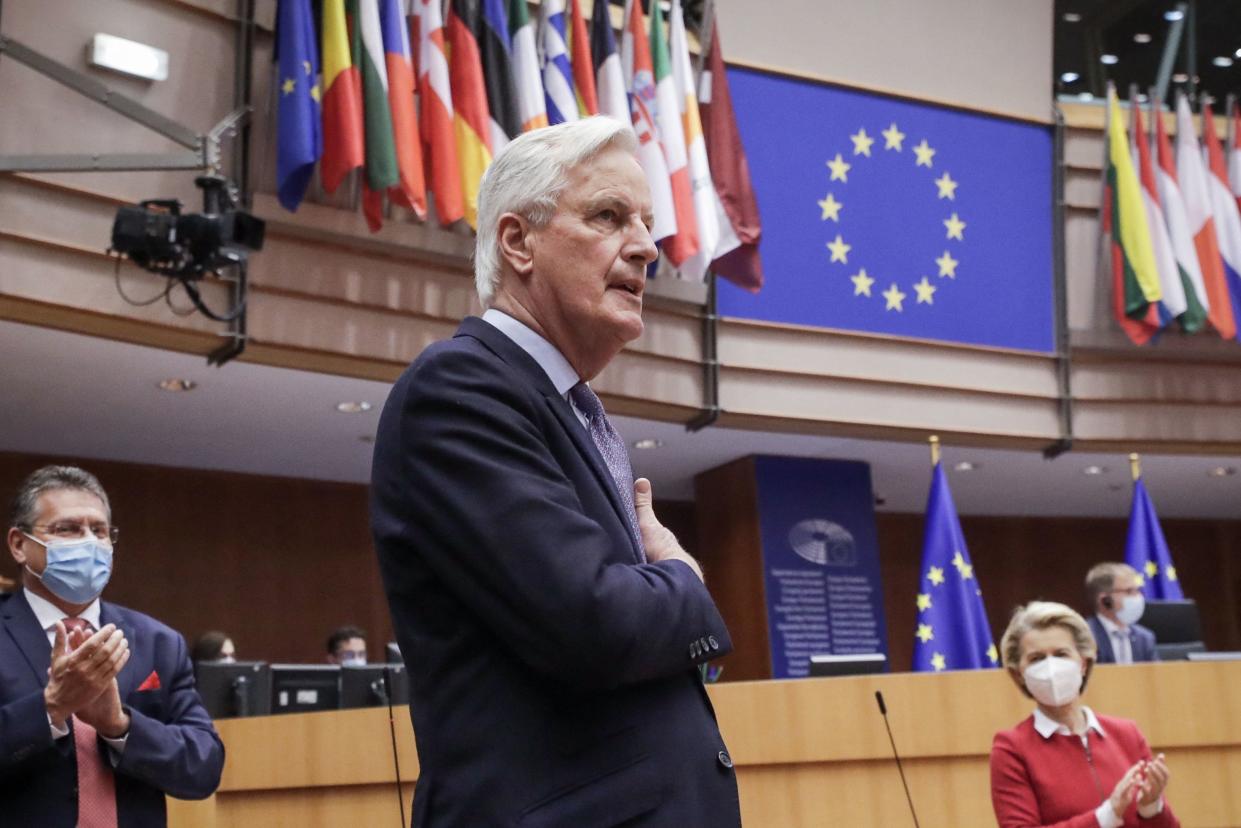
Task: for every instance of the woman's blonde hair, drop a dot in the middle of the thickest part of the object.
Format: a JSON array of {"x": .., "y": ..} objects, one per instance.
[{"x": 1041, "y": 615}]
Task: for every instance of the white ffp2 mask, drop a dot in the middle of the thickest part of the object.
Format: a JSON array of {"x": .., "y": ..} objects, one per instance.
[{"x": 1054, "y": 681}]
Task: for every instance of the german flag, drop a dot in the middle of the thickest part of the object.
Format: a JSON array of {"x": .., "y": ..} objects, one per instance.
[{"x": 471, "y": 119}]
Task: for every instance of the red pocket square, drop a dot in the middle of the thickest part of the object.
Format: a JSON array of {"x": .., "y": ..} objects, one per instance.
[{"x": 151, "y": 682}]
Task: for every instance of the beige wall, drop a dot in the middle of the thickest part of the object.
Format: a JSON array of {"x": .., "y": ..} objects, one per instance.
[
  {"x": 329, "y": 296},
  {"x": 986, "y": 54}
]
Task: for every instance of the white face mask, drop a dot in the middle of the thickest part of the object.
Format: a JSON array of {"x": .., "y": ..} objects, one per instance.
[
  {"x": 1054, "y": 681},
  {"x": 1131, "y": 609}
]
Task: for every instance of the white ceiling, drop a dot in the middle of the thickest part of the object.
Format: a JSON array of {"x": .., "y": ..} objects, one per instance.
[{"x": 66, "y": 394}]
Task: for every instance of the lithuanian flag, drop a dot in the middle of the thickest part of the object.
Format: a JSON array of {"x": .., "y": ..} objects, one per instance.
[{"x": 1135, "y": 277}]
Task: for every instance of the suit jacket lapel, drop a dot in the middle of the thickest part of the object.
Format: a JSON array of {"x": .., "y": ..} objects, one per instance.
[
  {"x": 513, "y": 355},
  {"x": 31, "y": 640},
  {"x": 1103, "y": 640},
  {"x": 587, "y": 448},
  {"x": 129, "y": 676}
]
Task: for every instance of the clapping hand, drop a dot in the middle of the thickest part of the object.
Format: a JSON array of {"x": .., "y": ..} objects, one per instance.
[{"x": 82, "y": 669}]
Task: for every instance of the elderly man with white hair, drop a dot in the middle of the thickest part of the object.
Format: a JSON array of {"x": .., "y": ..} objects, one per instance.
[{"x": 552, "y": 625}]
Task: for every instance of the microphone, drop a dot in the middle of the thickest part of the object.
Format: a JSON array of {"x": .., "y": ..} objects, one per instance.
[
  {"x": 396, "y": 761},
  {"x": 883, "y": 711}
]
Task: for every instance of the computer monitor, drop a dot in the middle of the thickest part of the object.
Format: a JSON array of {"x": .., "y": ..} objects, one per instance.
[
  {"x": 1218, "y": 655},
  {"x": 1172, "y": 622},
  {"x": 364, "y": 686},
  {"x": 304, "y": 688},
  {"x": 853, "y": 664},
  {"x": 232, "y": 689},
  {"x": 392, "y": 653}
]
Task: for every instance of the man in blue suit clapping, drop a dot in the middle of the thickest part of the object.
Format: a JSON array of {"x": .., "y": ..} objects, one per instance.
[{"x": 99, "y": 717}]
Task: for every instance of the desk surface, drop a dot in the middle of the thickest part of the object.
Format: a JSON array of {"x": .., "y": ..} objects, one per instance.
[{"x": 803, "y": 749}]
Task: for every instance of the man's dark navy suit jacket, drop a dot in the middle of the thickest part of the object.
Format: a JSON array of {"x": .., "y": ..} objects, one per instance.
[
  {"x": 1141, "y": 642},
  {"x": 553, "y": 678},
  {"x": 172, "y": 746}
]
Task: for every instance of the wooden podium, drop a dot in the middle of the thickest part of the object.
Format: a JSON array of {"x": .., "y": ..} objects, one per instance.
[{"x": 808, "y": 752}]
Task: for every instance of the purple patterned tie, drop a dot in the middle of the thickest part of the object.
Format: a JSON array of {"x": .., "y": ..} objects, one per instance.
[{"x": 615, "y": 455}]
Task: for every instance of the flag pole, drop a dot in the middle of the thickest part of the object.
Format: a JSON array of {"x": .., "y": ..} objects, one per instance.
[
  {"x": 1135, "y": 466},
  {"x": 934, "y": 441}
]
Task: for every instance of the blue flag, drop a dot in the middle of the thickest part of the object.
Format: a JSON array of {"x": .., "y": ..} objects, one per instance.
[
  {"x": 952, "y": 632},
  {"x": 896, "y": 217},
  {"x": 1147, "y": 551},
  {"x": 299, "y": 128}
]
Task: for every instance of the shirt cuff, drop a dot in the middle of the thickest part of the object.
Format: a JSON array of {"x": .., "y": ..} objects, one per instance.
[
  {"x": 57, "y": 732},
  {"x": 116, "y": 747},
  {"x": 1106, "y": 817},
  {"x": 1152, "y": 810}
]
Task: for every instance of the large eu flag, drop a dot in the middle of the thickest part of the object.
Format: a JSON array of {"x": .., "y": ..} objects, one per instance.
[
  {"x": 895, "y": 217},
  {"x": 299, "y": 127},
  {"x": 1147, "y": 551},
  {"x": 952, "y": 632}
]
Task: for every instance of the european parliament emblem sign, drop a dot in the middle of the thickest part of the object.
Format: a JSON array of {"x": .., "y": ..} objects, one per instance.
[
  {"x": 820, "y": 561},
  {"x": 896, "y": 217}
]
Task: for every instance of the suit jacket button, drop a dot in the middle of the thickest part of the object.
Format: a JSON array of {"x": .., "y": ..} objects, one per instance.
[
  {"x": 715, "y": 645},
  {"x": 725, "y": 759}
]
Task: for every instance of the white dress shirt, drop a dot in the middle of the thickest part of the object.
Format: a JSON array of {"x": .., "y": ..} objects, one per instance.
[
  {"x": 1122, "y": 646},
  {"x": 1047, "y": 727},
  {"x": 47, "y": 615},
  {"x": 549, "y": 358}
]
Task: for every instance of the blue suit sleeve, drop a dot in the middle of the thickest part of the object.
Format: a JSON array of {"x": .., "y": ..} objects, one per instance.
[
  {"x": 178, "y": 750},
  {"x": 24, "y": 732},
  {"x": 495, "y": 516}
]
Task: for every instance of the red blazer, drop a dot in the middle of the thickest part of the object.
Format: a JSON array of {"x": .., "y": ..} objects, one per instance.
[{"x": 1051, "y": 784}]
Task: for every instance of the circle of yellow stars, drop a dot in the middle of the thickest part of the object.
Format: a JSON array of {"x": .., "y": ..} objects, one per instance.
[
  {"x": 926, "y": 632},
  {"x": 839, "y": 249},
  {"x": 289, "y": 85}
]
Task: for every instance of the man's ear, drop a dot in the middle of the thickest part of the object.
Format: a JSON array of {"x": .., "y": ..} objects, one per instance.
[
  {"x": 16, "y": 543},
  {"x": 513, "y": 236}
]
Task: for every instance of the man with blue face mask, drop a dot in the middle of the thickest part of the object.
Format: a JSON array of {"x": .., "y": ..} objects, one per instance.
[
  {"x": 1114, "y": 592},
  {"x": 99, "y": 718},
  {"x": 346, "y": 646}
]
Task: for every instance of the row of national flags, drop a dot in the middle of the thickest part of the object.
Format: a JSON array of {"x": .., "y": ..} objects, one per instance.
[
  {"x": 419, "y": 101},
  {"x": 952, "y": 631},
  {"x": 1173, "y": 222}
]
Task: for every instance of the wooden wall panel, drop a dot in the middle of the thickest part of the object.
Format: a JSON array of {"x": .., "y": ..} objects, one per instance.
[
  {"x": 278, "y": 562},
  {"x": 275, "y": 562}
]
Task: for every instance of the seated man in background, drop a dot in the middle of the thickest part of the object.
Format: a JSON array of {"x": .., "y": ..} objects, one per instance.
[
  {"x": 1114, "y": 592},
  {"x": 99, "y": 718},
  {"x": 346, "y": 646},
  {"x": 214, "y": 646}
]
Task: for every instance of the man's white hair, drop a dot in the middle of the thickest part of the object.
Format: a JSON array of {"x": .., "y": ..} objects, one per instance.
[{"x": 528, "y": 177}]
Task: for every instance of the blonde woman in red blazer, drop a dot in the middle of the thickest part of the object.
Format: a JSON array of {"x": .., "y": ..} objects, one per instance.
[{"x": 1065, "y": 766}]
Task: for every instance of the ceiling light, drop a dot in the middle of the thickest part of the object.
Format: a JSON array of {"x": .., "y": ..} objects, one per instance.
[
  {"x": 1141, "y": 37},
  {"x": 965, "y": 465},
  {"x": 1222, "y": 471},
  {"x": 1180, "y": 77},
  {"x": 1069, "y": 77},
  {"x": 1223, "y": 61},
  {"x": 1109, "y": 60},
  {"x": 648, "y": 443},
  {"x": 176, "y": 384},
  {"x": 1173, "y": 15},
  {"x": 1071, "y": 17},
  {"x": 1094, "y": 470},
  {"x": 353, "y": 407},
  {"x": 1237, "y": 53}
]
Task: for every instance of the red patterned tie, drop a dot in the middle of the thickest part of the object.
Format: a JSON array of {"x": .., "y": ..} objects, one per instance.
[{"x": 96, "y": 784}]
